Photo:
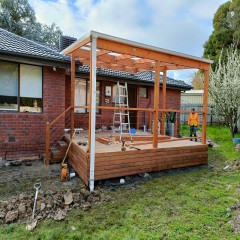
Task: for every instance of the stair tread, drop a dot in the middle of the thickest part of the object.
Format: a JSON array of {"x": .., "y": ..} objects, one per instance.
[{"x": 62, "y": 143}]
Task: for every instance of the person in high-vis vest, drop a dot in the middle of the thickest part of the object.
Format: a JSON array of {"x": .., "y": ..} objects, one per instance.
[{"x": 193, "y": 122}]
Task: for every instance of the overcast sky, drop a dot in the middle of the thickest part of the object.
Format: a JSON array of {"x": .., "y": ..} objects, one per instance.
[{"x": 178, "y": 25}]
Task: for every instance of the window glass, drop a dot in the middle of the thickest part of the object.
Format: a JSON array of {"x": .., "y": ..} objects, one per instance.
[
  {"x": 114, "y": 94},
  {"x": 97, "y": 95},
  {"x": 80, "y": 95},
  {"x": 8, "y": 86},
  {"x": 30, "y": 88},
  {"x": 143, "y": 92}
]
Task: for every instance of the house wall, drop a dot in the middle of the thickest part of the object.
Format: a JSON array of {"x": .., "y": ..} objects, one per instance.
[
  {"x": 23, "y": 134},
  {"x": 105, "y": 117},
  {"x": 193, "y": 97},
  {"x": 173, "y": 100}
]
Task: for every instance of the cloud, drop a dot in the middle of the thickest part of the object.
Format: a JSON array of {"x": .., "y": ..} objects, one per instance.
[{"x": 182, "y": 26}]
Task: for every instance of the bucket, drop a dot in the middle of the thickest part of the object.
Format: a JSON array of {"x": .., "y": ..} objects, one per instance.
[
  {"x": 158, "y": 126},
  {"x": 236, "y": 141},
  {"x": 144, "y": 128},
  {"x": 132, "y": 130}
]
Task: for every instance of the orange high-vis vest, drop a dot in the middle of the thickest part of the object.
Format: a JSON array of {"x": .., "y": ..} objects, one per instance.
[{"x": 193, "y": 119}]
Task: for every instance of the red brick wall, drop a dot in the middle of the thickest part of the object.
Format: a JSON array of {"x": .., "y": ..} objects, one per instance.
[
  {"x": 28, "y": 129},
  {"x": 104, "y": 117},
  {"x": 173, "y": 100}
]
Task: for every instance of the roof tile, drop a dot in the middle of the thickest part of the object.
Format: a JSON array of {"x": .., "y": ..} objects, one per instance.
[
  {"x": 10, "y": 42},
  {"x": 147, "y": 76}
]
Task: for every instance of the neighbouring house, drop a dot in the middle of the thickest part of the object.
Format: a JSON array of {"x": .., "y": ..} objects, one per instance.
[
  {"x": 35, "y": 89},
  {"x": 191, "y": 99},
  {"x": 194, "y": 99}
]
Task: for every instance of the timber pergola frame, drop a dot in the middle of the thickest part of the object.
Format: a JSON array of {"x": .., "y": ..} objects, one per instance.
[{"x": 100, "y": 50}]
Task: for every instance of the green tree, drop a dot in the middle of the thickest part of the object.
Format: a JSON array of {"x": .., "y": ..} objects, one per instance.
[
  {"x": 224, "y": 88},
  {"x": 226, "y": 24},
  {"x": 17, "y": 16}
]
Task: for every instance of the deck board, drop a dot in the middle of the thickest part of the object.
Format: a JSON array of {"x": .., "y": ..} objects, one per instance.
[{"x": 111, "y": 162}]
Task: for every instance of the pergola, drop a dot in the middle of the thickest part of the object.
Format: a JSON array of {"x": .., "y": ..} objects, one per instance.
[{"x": 104, "y": 51}]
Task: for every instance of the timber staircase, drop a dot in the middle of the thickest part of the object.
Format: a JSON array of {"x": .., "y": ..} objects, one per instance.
[
  {"x": 58, "y": 152},
  {"x": 56, "y": 146}
]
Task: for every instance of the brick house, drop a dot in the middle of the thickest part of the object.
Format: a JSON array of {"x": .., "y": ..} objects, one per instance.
[{"x": 35, "y": 89}]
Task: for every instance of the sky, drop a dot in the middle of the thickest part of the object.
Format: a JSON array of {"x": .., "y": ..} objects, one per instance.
[{"x": 178, "y": 25}]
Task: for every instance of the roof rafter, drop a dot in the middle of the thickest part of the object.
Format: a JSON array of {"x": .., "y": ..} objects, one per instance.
[
  {"x": 123, "y": 56},
  {"x": 120, "y": 53},
  {"x": 102, "y": 52},
  {"x": 154, "y": 55}
]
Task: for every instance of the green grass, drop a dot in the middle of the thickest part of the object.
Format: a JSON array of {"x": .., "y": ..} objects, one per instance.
[
  {"x": 223, "y": 137},
  {"x": 190, "y": 205},
  {"x": 220, "y": 135}
]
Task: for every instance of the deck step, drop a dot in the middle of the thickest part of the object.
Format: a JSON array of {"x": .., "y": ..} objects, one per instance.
[
  {"x": 62, "y": 146},
  {"x": 57, "y": 155},
  {"x": 53, "y": 148}
]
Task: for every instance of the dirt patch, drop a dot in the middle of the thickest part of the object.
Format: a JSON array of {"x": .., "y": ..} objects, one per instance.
[
  {"x": 12, "y": 170},
  {"x": 55, "y": 198},
  {"x": 50, "y": 204},
  {"x": 236, "y": 219}
]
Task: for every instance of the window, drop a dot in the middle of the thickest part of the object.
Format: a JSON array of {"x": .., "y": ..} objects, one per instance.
[
  {"x": 30, "y": 88},
  {"x": 22, "y": 79},
  {"x": 122, "y": 91},
  {"x": 8, "y": 86},
  {"x": 143, "y": 92},
  {"x": 82, "y": 95}
]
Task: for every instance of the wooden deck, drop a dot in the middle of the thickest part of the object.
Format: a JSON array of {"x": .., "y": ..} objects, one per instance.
[{"x": 111, "y": 162}]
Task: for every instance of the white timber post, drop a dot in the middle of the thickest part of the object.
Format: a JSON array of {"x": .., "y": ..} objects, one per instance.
[{"x": 93, "y": 110}]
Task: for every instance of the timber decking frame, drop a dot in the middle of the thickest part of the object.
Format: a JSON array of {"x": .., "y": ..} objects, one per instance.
[
  {"x": 101, "y": 50},
  {"x": 111, "y": 162}
]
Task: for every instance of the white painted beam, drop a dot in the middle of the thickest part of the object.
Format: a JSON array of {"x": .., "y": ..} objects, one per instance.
[{"x": 93, "y": 112}]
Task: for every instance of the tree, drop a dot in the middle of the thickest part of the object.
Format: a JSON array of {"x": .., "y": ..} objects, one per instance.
[
  {"x": 224, "y": 88},
  {"x": 226, "y": 24},
  {"x": 17, "y": 16},
  {"x": 197, "y": 81}
]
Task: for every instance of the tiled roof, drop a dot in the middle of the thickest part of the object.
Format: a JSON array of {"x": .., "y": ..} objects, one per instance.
[
  {"x": 146, "y": 77},
  {"x": 11, "y": 43}
]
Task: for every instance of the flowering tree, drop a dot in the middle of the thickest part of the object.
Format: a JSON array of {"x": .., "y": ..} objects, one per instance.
[{"x": 224, "y": 92}]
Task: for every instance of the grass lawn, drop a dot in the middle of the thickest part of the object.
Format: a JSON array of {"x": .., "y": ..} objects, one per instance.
[{"x": 190, "y": 205}]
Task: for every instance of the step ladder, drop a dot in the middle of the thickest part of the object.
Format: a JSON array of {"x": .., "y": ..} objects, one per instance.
[{"x": 121, "y": 117}]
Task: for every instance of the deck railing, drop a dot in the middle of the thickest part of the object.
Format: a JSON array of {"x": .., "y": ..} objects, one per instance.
[
  {"x": 54, "y": 131},
  {"x": 66, "y": 119}
]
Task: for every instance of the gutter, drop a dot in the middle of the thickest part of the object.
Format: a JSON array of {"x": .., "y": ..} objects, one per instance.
[{"x": 38, "y": 60}]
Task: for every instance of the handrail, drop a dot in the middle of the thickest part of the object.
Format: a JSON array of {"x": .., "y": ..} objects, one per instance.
[
  {"x": 60, "y": 116},
  {"x": 175, "y": 110},
  {"x": 49, "y": 124},
  {"x": 48, "y": 128},
  {"x": 125, "y": 108},
  {"x": 136, "y": 109}
]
